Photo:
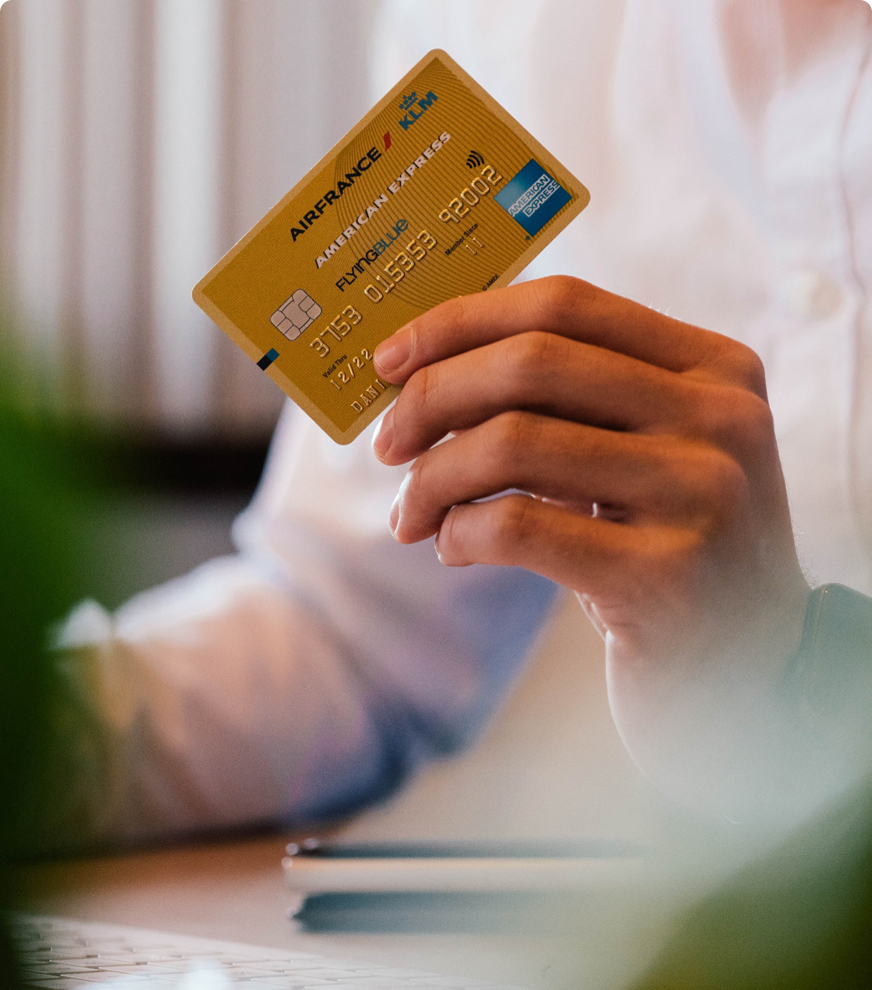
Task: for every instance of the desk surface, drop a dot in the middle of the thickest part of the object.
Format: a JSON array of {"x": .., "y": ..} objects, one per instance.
[{"x": 234, "y": 891}]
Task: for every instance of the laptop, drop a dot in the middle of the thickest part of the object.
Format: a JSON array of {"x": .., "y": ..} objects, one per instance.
[{"x": 62, "y": 954}]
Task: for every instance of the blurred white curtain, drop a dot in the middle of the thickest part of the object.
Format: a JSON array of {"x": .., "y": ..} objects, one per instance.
[{"x": 139, "y": 139}]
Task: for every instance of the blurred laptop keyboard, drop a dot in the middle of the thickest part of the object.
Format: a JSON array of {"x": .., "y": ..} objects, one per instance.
[{"x": 59, "y": 954}]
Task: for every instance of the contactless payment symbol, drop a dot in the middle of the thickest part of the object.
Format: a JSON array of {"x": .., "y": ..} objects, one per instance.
[
  {"x": 533, "y": 197},
  {"x": 295, "y": 314}
]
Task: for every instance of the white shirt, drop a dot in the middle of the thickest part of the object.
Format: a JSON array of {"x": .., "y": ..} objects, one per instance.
[{"x": 729, "y": 156}]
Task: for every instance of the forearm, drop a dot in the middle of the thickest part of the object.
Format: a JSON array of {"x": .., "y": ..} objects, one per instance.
[{"x": 297, "y": 681}]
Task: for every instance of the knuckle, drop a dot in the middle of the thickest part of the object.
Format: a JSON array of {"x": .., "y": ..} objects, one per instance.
[
  {"x": 744, "y": 366},
  {"x": 726, "y": 481},
  {"x": 758, "y": 422},
  {"x": 737, "y": 420},
  {"x": 530, "y": 356},
  {"x": 513, "y": 433},
  {"x": 706, "y": 486},
  {"x": 457, "y": 317},
  {"x": 674, "y": 557},
  {"x": 421, "y": 390},
  {"x": 720, "y": 491},
  {"x": 683, "y": 558},
  {"x": 511, "y": 525},
  {"x": 751, "y": 432},
  {"x": 509, "y": 438},
  {"x": 561, "y": 296},
  {"x": 416, "y": 482},
  {"x": 448, "y": 542}
]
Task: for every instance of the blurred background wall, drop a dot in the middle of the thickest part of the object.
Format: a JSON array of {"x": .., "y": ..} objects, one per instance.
[{"x": 139, "y": 139}]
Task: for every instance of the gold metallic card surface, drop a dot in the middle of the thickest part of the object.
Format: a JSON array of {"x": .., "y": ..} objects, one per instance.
[{"x": 438, "y": 192}]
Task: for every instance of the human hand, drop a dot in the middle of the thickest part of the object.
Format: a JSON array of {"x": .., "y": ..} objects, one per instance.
[{"x": 655, "y": 493}]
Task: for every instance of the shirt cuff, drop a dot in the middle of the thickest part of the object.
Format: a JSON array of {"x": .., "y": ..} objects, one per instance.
[{"x": 828, "y": 682}]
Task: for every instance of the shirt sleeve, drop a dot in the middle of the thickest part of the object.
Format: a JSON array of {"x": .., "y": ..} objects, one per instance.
[
  {"x": 298, "y": 680},
  {"x": 828, "y": 682}
]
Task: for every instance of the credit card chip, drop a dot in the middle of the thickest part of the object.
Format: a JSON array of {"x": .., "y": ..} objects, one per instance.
[{"x": 295, "y": 314}]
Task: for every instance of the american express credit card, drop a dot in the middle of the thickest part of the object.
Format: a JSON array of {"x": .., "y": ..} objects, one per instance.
[{"x": 438, "y": 192}]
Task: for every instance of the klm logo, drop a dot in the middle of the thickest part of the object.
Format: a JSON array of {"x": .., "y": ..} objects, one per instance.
[{"x": 414, "y": 108}]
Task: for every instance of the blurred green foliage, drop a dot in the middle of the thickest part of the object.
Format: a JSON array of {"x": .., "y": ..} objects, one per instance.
[
  {"x": 42, "y": 571},
  {"x": 800, "y": 918}
]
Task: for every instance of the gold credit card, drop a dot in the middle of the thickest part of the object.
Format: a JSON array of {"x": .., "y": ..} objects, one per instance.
[{"x": 436, "y": 193}]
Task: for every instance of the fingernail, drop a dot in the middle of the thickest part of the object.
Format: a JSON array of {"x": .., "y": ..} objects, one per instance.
[
  {"x": 393, "y": 353},
  {"x": 381, "y": 441},
  {"x": 394, "y": 518}
]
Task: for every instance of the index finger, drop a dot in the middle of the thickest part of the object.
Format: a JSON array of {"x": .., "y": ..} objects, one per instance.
[{"x": 561, "y": 305}]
